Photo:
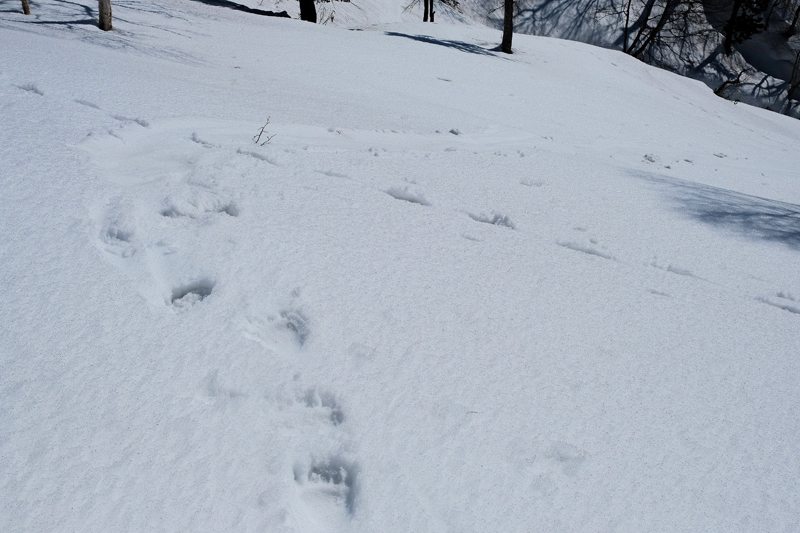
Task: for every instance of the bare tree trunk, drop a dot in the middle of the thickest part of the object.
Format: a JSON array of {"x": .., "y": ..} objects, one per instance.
[
  {"x": 425, "y": 16},
  {"x": 665, "y": 16},
  {"x": 508, "y": 26},
  {"x": 308, "y": 11},
  {"x": 644, "y": 18},
  {"x": 729, "y": 27},
  {"x": 431, "y": 1},
  {"x": 627, "y": 26},
  {"x": 25, "y": 7},
  {"x": 104, "y": 8}
]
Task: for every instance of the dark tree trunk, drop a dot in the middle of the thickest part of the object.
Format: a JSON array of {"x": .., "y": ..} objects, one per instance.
[
  {"x": 627, "y": 26},
  {"x": 730, "y": 26},
  {"x": 425, "y": 15},
  {"x": 104, "y": 8},
  {"x": 644, "y": 18},
  {"x": 662, "y": 21},
  {"x": 25, "y": 7},
  {"x": 308, "y": 11},
  {"x": 431, "y": 9},
  {"x": 508, "y": 26}
]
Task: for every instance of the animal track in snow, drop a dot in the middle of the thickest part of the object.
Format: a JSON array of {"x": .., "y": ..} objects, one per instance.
[
  {"x": 31, "y": 88},
  {"x": 407, "y": 194},
  {"x": 566, "y": 455},
  {"x": 196, "y": 139},
  {"x": 325, "y": 401},
  {"x": 198, "y": 206},
  {"x": 143, "y": 123},
  {"x": 87, "y": 103},
  {"x": 673, "y": 269},
  {"x": 259, "y": 156},
  {"x": 118, "y": 240},
  {"x": 187, "y": 296},
  {"x": 332, "y": 480},
  {"x": 296, "y": 322},
  {"x": 117, "y": 229},
  {"x": 495, "y": 219},
  {"x": 784, "y": 301},
  {"x": 286, "y": 329},
  {"x": 786, "y": 295},
  {"x": 591, "y": 249},
  {"x": 333, "y": 174},
  {"x": 327, "y": 481}
]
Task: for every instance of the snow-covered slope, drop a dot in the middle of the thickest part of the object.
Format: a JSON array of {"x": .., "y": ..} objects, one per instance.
[
  {"x": 456, "y": 291},
  {"x": 759, "y": 71}
]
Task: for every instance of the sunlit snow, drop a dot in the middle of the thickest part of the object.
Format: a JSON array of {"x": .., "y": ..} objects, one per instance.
[{"x": 455, "y": 291}]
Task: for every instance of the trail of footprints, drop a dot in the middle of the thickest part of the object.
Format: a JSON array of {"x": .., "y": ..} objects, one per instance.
[
  {"x": 134, "y": 250},
  {"x": 118, "y": 235},
  {"x": 328, "y": 482},
  {"x": 325, "y": 482},
  {"x": 590, "y": 246},
  {"x": 324, "y": 474}
]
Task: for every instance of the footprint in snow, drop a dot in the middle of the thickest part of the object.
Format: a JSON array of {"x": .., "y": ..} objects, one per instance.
[
  {"x": 197, "y": 204},
  {"x": 31, "y": 88},
  {"x": 673, "y": 269},
  {"x": 294, "y": 321},
  {"x": 783, "y": 300},
  {"x": 325, "y": 403},
  {"x": 117, "y": 229},
  {"x": 285, "y": 330},
  {"x": 408, "y": 194},
  {"x": 328, "y": 489},
  {"x": 184, "y": 297},
  {"x": 127, "y": 120},
  {"x": 592, "y": 248},
  {"x": 87, "y": 103},
  {"x": 195, "y": 138},
  {"x": 496, "y": 219},
  {"x": 327, "y": 479}
]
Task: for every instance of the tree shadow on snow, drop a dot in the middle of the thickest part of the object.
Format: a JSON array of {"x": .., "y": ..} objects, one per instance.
[
  {"x": 457, "y": 45},
  {"x": 240, "y": 7},
  {"x": 84, "y": 22},
  {"x": 755, "y": 217}
]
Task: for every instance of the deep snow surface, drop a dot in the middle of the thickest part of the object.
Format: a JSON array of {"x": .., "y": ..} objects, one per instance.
[{"x": 456, "y": 291}]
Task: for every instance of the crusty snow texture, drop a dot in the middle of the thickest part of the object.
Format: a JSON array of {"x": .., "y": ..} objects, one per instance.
[{"x": 456, "y": 291}]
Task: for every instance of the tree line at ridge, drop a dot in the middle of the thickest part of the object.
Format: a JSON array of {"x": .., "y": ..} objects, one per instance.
[
  {"x": 659, "y": 32},
  {"x": 644, "y": 22}
]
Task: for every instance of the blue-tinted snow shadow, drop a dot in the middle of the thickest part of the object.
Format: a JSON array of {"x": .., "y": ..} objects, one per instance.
[
  {"x": 239, "y": 7},
  {"x": 758, "y": 218},
  {"x": 68, "y": 23},
  {"x": 78, "y": 20},
  {"x": 456, "y": 45}
]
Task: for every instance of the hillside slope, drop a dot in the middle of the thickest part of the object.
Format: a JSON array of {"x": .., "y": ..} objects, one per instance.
[{"x": 455, "y": 291}]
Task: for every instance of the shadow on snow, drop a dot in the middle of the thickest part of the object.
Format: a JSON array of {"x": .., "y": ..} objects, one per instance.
[
  {"x": 457, "y": 45},
  {"x": 755, "y": 217},
  {"x": 240, "y": 7}
]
